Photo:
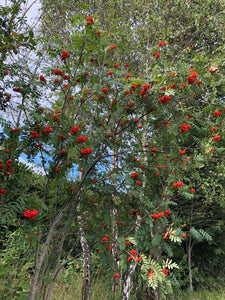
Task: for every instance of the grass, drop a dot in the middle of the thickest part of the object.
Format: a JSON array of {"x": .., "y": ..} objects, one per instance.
[
  {"x": 101, "y": 291},
  {"x": 72, "y": 291},
  {"x": 198, "y": 295}
]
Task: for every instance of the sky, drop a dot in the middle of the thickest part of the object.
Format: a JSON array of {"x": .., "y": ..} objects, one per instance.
[{"x": 32, "y": 11}]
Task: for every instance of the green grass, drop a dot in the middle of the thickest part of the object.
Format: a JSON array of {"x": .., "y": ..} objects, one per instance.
[
  {"x": 198, "y": 295},
  {"x": 101, "y": 291},
  {"x": 72, "y": 291}
]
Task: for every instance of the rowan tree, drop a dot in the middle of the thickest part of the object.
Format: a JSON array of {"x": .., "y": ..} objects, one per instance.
[{"x": 119, "y": 143}]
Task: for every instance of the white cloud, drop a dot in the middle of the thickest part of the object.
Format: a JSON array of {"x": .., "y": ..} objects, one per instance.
[{"x": 37, "y": 169}]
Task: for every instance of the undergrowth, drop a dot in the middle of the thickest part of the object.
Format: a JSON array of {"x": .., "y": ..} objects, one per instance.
[{"x": 101, "y": 291}]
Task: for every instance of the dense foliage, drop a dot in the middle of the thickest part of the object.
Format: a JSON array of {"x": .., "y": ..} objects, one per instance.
[{"x": 122, "y": 110}]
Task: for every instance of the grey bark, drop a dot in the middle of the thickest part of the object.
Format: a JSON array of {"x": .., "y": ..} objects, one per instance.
[
  {"x": 86, "y": 286},
  {"x": 189, "y": 251},
  {"x": 115, "y": 232}
]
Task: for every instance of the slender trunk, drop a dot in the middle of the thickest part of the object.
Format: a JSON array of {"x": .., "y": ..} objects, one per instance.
[
  {"x": 86, "y": 286},
  {"x": 42, "y": 283},
  {"x": 56, "y": 269},
  {"x": 115, "y": 244},
  {"x": 115, "y": 247},
  {"x": 115, "y": 232},
  {"x": 127, "y": 282},
  {"x": 126, "y": 288},
  {"x": 189, "y": 250}
]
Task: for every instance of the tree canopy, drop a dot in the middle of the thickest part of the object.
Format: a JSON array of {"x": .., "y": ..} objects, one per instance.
[{"x": 121, "y": 104}]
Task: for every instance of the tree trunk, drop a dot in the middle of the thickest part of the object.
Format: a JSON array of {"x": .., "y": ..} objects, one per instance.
[
  {"x": 189, "y": 246},
  {"x": 115, "y": 233},
  {"x": 41, "y": 283},
  {"x": 40, "y": 261},
  {"x": 126, "y": 288},
  {"x": 189, "y": 250},
  {"x": 86, "y": 286}
]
